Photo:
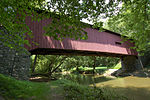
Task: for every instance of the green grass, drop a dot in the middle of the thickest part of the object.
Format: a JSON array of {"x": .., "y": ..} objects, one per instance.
[
  {"x": 118, "y": 66},
  {"x": 100, "y": 68},
  {"x": 89, "y": 68},
  {"x": 12, "y": 89}
]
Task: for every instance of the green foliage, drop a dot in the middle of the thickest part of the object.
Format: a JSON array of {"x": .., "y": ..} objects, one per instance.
[
  {"x": 69, "y": 12},
  {"x": 84, "y": 63},
  {"x": 76, "y": 61},
  {"x": 79, "y": 92},
  {"x": 13, "y": 89},
  {"x": 46, "y": 63},
  {"x": 106, "y": 61},
  {"x": 50, "y": 62},
  {"x": 133, "y": 21},
  {"x": 12, "y": 22},
  {"x": 88, "y": 61}
]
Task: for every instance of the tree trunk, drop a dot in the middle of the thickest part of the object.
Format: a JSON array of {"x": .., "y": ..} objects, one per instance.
[
  {"x": 94, "y": 58},
  {"x": 50, "y": 66},
  {"x": 33, "y": 68},
  {"x": 59, "y": 65},
  {"x": 52, "y": 71}
]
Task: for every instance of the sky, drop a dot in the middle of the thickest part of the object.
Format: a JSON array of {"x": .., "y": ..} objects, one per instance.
[{"x": 103, "y": 20}]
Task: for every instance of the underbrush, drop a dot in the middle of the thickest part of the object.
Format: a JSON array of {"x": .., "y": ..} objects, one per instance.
[
  {"x": 12, "y": 89},
  {"x": 75, "y": 91}
]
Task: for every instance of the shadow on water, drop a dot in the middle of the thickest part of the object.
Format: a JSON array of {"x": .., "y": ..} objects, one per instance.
[
  {"x": 86, "y": 79},
  {"x": 132, "y": 93},
  {"x": 134, "y": 88}
]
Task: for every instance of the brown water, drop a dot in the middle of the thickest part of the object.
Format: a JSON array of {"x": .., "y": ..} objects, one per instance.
[{"x": 135, "y": 88}]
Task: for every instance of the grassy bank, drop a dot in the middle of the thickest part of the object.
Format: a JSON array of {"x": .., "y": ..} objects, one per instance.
[
  {"x": 88, "y": 70},
  {"x": 12, "y": 89},
  {"x": 118, "y": 66}
]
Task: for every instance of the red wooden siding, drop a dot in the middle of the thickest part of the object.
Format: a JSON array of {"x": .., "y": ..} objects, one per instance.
[{"x": 96, "y": 42}]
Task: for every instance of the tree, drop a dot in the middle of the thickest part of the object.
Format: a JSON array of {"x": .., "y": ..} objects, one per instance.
[
  {"x": 47, "y": 65},
  {"x": 69, "y": 12},
  {"x": 133, "y": 22}
]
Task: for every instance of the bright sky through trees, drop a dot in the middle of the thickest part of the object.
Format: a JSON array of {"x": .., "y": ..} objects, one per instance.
[{"x": 90, "y": 22}]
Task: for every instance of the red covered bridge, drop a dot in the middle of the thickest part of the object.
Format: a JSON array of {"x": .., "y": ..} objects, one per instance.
[{"x": 105, "y": 43}]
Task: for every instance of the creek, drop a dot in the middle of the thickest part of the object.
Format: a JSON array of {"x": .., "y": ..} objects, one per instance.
[{"x": 135, "y": 88}]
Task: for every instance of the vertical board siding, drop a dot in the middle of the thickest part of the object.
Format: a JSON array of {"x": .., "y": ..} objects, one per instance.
[{"x": 97, "y": 41}]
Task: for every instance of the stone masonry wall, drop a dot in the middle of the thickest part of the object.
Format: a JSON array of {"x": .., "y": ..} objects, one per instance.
[
  {"x": 13, "y": 63},
  {"x": 129, "y": 64}
]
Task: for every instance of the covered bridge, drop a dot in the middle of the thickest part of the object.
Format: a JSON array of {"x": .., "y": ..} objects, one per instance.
[{"x": 105, "y": 43}]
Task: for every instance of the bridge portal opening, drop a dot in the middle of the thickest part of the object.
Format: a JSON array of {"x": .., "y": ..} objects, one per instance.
[{"x": 48, "y": 64}]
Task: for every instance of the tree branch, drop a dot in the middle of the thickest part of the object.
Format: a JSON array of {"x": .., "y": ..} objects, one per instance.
[{"x": 59, "y": 65}]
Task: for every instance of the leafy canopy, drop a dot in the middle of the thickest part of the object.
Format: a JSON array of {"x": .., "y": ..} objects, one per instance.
[
  {"x": 133, "y": 21},
  {"x": 69, "y": 12}
]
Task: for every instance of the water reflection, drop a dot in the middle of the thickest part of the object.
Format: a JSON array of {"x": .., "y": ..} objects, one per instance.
[
  {"x": 135, "y": 88},
  {"x": 86, "y": 79}
]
